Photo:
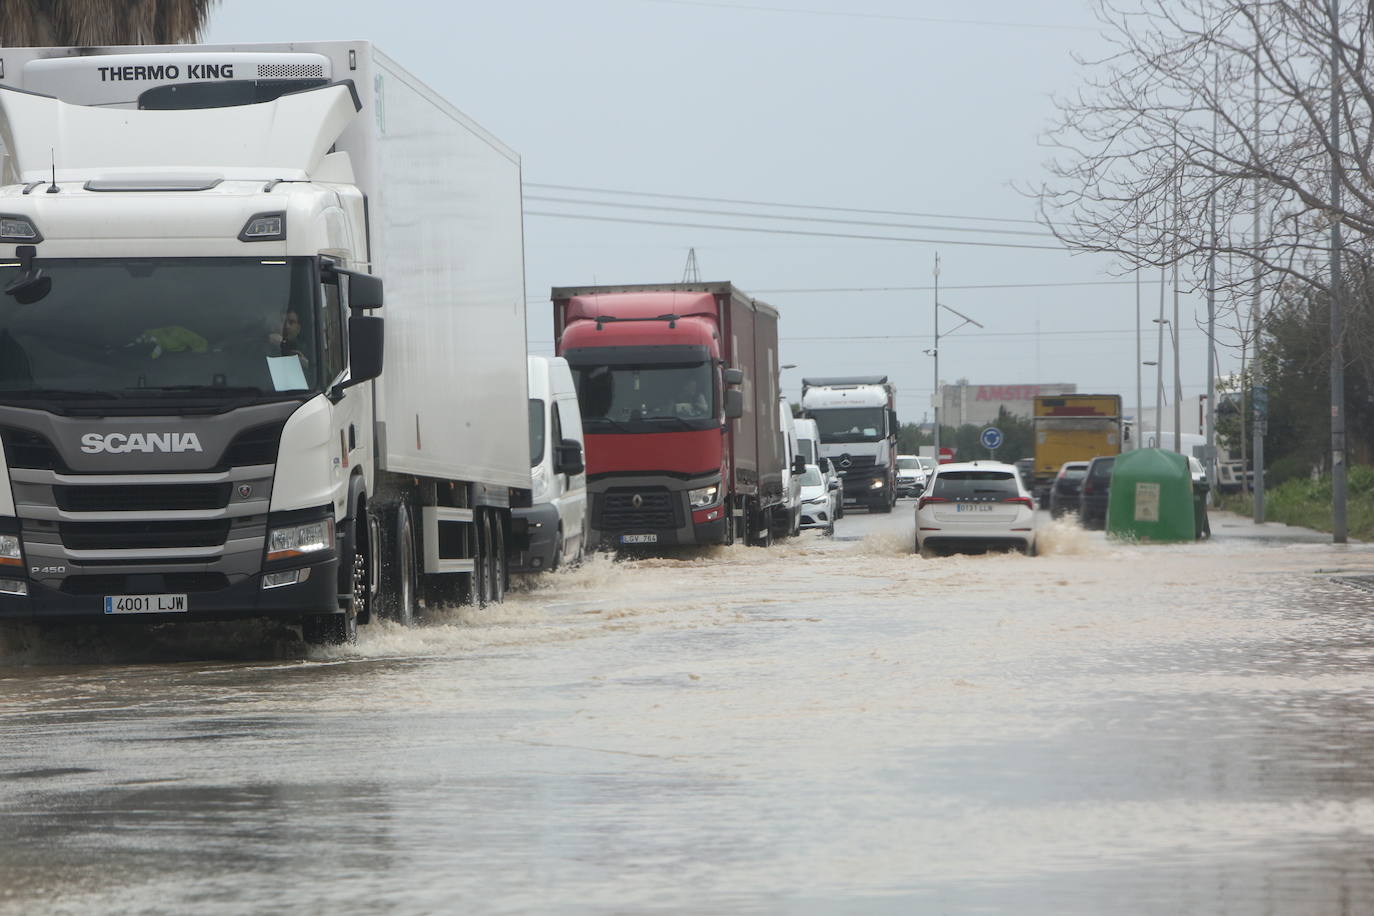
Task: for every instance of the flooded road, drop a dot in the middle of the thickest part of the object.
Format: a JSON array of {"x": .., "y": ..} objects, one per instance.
[{"x": 830, "y": 726}]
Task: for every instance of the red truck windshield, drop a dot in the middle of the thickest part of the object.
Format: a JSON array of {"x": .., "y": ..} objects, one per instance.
[{"x": 644, "y": 399}]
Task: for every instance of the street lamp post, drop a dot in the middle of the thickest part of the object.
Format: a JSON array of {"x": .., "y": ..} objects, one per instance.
[{"x": 934, "y": 352}]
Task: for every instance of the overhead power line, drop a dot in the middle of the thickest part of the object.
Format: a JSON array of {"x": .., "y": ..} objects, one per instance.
[
  {"x": 945, "y": 286},
  {"x": 800, "y": 232},
  {"x": 806, "y": 219},
  {"x": 784, "y": 206},
  {"x": 890, "y": 17}
]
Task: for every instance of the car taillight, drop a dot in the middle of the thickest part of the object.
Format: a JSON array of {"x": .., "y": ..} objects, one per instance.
[
  {"x": 927, "y": 500},
  {"x": 1020, "y": 500}
]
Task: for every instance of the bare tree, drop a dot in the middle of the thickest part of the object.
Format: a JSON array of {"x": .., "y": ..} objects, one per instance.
[
  {"x": 84, "y": 23},
  {"x": 1140, "y": 134}
]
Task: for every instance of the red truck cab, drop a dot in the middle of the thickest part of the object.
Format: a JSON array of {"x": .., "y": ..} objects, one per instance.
[{"x": 672, "y": 448}]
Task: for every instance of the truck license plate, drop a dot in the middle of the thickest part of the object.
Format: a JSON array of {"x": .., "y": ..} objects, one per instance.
[
  {"x": 639, "y": 539},
  {"x": 145, "y": 604}
]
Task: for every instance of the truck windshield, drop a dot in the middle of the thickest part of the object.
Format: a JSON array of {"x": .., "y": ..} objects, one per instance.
[
  {"x": 143, "y": 326},
  {"x": 641, "y": 399},
  {"x": 849, "y": 424}
]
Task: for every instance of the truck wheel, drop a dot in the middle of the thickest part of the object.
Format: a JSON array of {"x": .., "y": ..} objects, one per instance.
[
  {"x": 403, "y": 601},
  {"x": 481, "y": 560},
  {"x": 883, "y": 506},
  {"x": 763, "y": 529},
  {"x": 728, "y": 508},
  {"x": 342, "y": 627},
  {"x": 498, "y": 556}
]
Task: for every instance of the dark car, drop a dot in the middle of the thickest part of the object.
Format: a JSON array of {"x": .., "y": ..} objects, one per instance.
[
  {"x": 1092, "y": 498},
  {"x": 1067, "y": 484}
]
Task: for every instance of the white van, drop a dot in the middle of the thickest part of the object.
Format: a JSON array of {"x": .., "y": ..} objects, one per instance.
[
  {"x": 809, "y": 447},
  {"x": 553, "y": 528},
  {"x": 787, "y": 516}
]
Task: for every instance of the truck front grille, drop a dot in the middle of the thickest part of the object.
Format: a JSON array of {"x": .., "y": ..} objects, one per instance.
[
  {"x": 657, "y": 509},
  {"x": 142, "y": 535},
  {"x": 149, "y": 498}
]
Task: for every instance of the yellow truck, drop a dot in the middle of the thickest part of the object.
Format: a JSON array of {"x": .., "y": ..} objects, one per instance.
[{"x": 1072, "y": 427}]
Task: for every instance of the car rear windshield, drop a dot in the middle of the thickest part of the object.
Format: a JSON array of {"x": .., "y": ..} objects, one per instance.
[
  {"x": 975, "y": 485},
  {"x": 1102, "y": 469},
  {"x": 1073, "y": 473}
]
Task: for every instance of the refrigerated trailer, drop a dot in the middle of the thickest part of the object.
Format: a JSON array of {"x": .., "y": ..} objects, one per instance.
[
  {"x": 200, "y": 414},
  {"x": 678, "y": 388}
]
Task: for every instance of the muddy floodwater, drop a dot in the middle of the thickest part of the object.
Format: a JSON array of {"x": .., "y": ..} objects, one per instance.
[{"x": 828, "y": 726}]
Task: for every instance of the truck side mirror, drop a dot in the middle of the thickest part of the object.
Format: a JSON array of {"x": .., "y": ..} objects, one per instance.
[
  {"x": 734, "y": 377},
  {"x": 892, "y": 423},
  {"x": 734, "y": 403},
  {"x": 567, "y": 458},
  {"x": 798, "y": 464},
  {"x": 365, "y": 345},
  {"x": 364, "y": 291}
]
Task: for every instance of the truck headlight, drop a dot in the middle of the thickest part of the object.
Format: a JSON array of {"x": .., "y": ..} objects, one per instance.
[
  {"x": 300, "y": 540},
  {"x": 10, "y": 554},
  {"x": 702, "y": 497},
  {"x": 877, "y": 484}
]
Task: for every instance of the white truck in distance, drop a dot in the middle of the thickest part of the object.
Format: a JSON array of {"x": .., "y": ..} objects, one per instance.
[
  {"x": 196, "y": 416},
  {"x": 857, "y": 420}
]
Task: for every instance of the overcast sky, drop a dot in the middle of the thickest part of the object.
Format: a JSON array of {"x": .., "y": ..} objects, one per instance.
[{"x": 908, "y": 106}]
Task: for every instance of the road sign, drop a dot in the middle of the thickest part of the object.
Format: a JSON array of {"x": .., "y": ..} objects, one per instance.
[
  {"x": 946, "y": 455},
  {"x": 991, "y": 437}
]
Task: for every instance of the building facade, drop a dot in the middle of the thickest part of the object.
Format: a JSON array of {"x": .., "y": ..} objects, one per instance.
[{"x": 965, "y": 404}]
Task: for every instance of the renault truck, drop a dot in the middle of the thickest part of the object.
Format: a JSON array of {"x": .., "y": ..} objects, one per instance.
[
  {"x": 200, "y": 414},
  {"x": 857, "y": 420},
  {"x": 678, "y": 388}
]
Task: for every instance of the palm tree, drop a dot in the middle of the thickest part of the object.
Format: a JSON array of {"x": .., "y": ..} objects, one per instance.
[{"x": 85, "y": 23}]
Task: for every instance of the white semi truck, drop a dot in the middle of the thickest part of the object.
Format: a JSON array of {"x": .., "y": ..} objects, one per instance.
[
  {"x": 857, "y": 420},
  {"x": 200, "y": 415}
]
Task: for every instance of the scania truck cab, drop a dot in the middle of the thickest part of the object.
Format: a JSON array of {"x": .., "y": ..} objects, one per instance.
[{"x": 194, "y": 414}]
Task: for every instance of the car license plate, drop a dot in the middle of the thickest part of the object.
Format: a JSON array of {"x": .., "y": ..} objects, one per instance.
[
  {"x": 639, "y": 539},
  {"x": 145, "y": 604},
  {"x": 973, "y": 507}
]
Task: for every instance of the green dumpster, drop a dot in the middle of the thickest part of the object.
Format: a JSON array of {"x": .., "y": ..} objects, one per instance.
[{"x": 1152, "y": 497}]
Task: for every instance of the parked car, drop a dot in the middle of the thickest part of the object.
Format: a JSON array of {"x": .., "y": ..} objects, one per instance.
[
  {"x": 819, "y": 497},
  {"x": 975, "y": 507},
  {"x": 552, "y": 529},
  {"x": 1232, "y": 477},
  {"x": 1092, "y": 498},
  {"x": 1064, "y": 491},
  {"x": 911, "y": 477}
]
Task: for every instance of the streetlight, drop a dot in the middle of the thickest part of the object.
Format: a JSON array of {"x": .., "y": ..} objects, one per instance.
[{"x": 934, "y": 352}]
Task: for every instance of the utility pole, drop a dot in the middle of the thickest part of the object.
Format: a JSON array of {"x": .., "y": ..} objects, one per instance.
[
  {"x": 1178, "y": 373},
  {"x": 1211, "y": 422},
  {"x": 1159, "y": 366},
  {"x": 1139, "y": 388},
  {"x": 935, "y": 354},
  {"x": 1338, "y": 520},
  {"x": 1259, "y": 423}
]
